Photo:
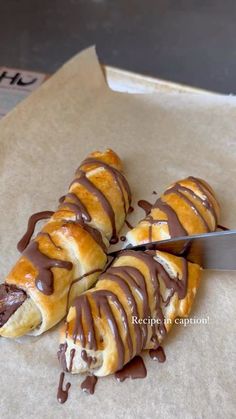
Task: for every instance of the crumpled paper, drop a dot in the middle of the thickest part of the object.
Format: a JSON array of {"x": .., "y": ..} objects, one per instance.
[{"x": 161, "y": 137}]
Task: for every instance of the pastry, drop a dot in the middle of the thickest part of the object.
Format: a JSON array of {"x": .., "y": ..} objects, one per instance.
[
  {"x": 66, "y": 256},
  {"x": 135, "y": 302},
  {"x": 186, "y": 207}
]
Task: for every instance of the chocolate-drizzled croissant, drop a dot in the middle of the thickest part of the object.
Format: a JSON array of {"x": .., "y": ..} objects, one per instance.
[
  {"x": 186, "y": 207},
  {"x": 111, "y": 323},
  {"x": 65, "y": 258}
]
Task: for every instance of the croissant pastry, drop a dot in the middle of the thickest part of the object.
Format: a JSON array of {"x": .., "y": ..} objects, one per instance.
[
  {"x": 186, "y": 207},
  {"x": 111, "y": 323},
  {"x": 66, "y": 256}
]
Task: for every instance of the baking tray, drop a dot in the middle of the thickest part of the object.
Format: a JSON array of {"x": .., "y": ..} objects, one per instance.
[{"x": 126, "y": 81}]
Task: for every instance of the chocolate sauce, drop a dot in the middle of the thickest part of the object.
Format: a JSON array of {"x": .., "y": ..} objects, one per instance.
[
  {"x": 24, "y": 241},
  {"x": 72, "y": 202},
  {"x": 117, "y": 176},
  {"x": 131, "y": 279},
  {"x": 175, "y": 227},
  {"x": 96, "y": 235},
  {"x": 207, "y": 192},
  {"x": 82, "y": 305},
  {"x": 132, "y": 282},
  {"x": 107, "y": 207},
  {"x": 120, "y": 180},
  {"x": 158, "y": 354},
  {"x": 77, "y": 280},
  {"x": 145, "y": 205},
  {"x": 131, "y": 209},
  {"x": 123, "y": 238},
  {"x": 128, "y": 225},
  {"x": 153, "y": 222},
  {"x": 88, "y": 359},
  {"x": 185, "y": 193},
  {"x": 134, "y": 369},
  {"x": 72, "y": 354},
  {"x": 61, "y": 199},
  {"x": 11, "y": 298},
  {"x": 62, "y": 394},
  {"x": 223, "y": 228},
  {"x": 154, "y": 193},
  {"x": 88, "y": 385},
  {"x": 181, "y": 191},
  {"x": 44, "y": 264}
]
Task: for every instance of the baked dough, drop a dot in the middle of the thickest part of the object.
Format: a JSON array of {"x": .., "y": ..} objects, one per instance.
[
  {"x": 186, "y": 207},
  {"x": 66, "y": 257},
  {"x": 111, "y": 323}
]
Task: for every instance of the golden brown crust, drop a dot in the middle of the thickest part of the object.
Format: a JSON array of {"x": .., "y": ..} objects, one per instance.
[{"x": 69, "y": 238}]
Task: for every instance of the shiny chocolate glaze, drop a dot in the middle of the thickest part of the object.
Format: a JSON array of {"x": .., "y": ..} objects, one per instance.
[{"x": 11, "y": 298}]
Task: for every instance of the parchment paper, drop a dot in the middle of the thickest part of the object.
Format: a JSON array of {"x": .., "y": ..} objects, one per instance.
[{"x": 161, "y": 138}]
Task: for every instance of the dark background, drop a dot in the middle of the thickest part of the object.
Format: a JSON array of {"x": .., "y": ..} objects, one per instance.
[{"x": 187, "y": 41}]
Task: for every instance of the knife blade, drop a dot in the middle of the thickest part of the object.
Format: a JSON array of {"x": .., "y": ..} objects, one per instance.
[{"x": 211, "y": 250}]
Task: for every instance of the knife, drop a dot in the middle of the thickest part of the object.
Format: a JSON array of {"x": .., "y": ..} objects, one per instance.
[{"x": 211, "y": 251}]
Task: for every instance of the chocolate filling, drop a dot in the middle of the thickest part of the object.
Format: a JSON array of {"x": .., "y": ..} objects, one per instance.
[{"x": 11, "y": 299}]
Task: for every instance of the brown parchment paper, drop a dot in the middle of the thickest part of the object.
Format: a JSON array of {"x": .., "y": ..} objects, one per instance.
[{"x": 161, "y": 137}]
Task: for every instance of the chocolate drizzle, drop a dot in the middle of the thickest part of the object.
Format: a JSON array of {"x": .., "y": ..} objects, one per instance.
[
  {"x": 88, "y": 359},
  {"x": 208, "y": 195},
  {"x": 134, "y": 369},
  {"x": 62, "y": 394},
  {"x": 117, "y": 176},
  {"x": 82, "y": 179},
  {"x": 96, "y": 235},
  {"x": 72, "y": 354},
  {"x": 44, "y": 264},
  {"x": 175, "y": 227},
  {"x": 158, "y": 354},
  {"x": 192, "y": 199},
  {"x": 132, "y": 282},
  {"x": 223, "y": 228},
  {"x": 145, "y": 205},
  {"x": 61, "y": 199},
  {"x": 24, "y": 241},
  {"x": 72, "y": 202},
  {"x": 77, "y": 280},
  {"x": 128, "y": 224},
  {"x": 88, "y": 385},
  {"x": 181, "y": 192}
]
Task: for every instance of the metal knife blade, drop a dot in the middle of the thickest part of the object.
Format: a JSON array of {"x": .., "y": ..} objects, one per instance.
[{"x": 211, "y": 251}]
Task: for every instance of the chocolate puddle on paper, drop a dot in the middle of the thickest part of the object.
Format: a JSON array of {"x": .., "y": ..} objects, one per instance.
[
  {"x": 134, "y": 369},
  {"x": 158, "y": 354},
  {"x": 62, "y": 394}
]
